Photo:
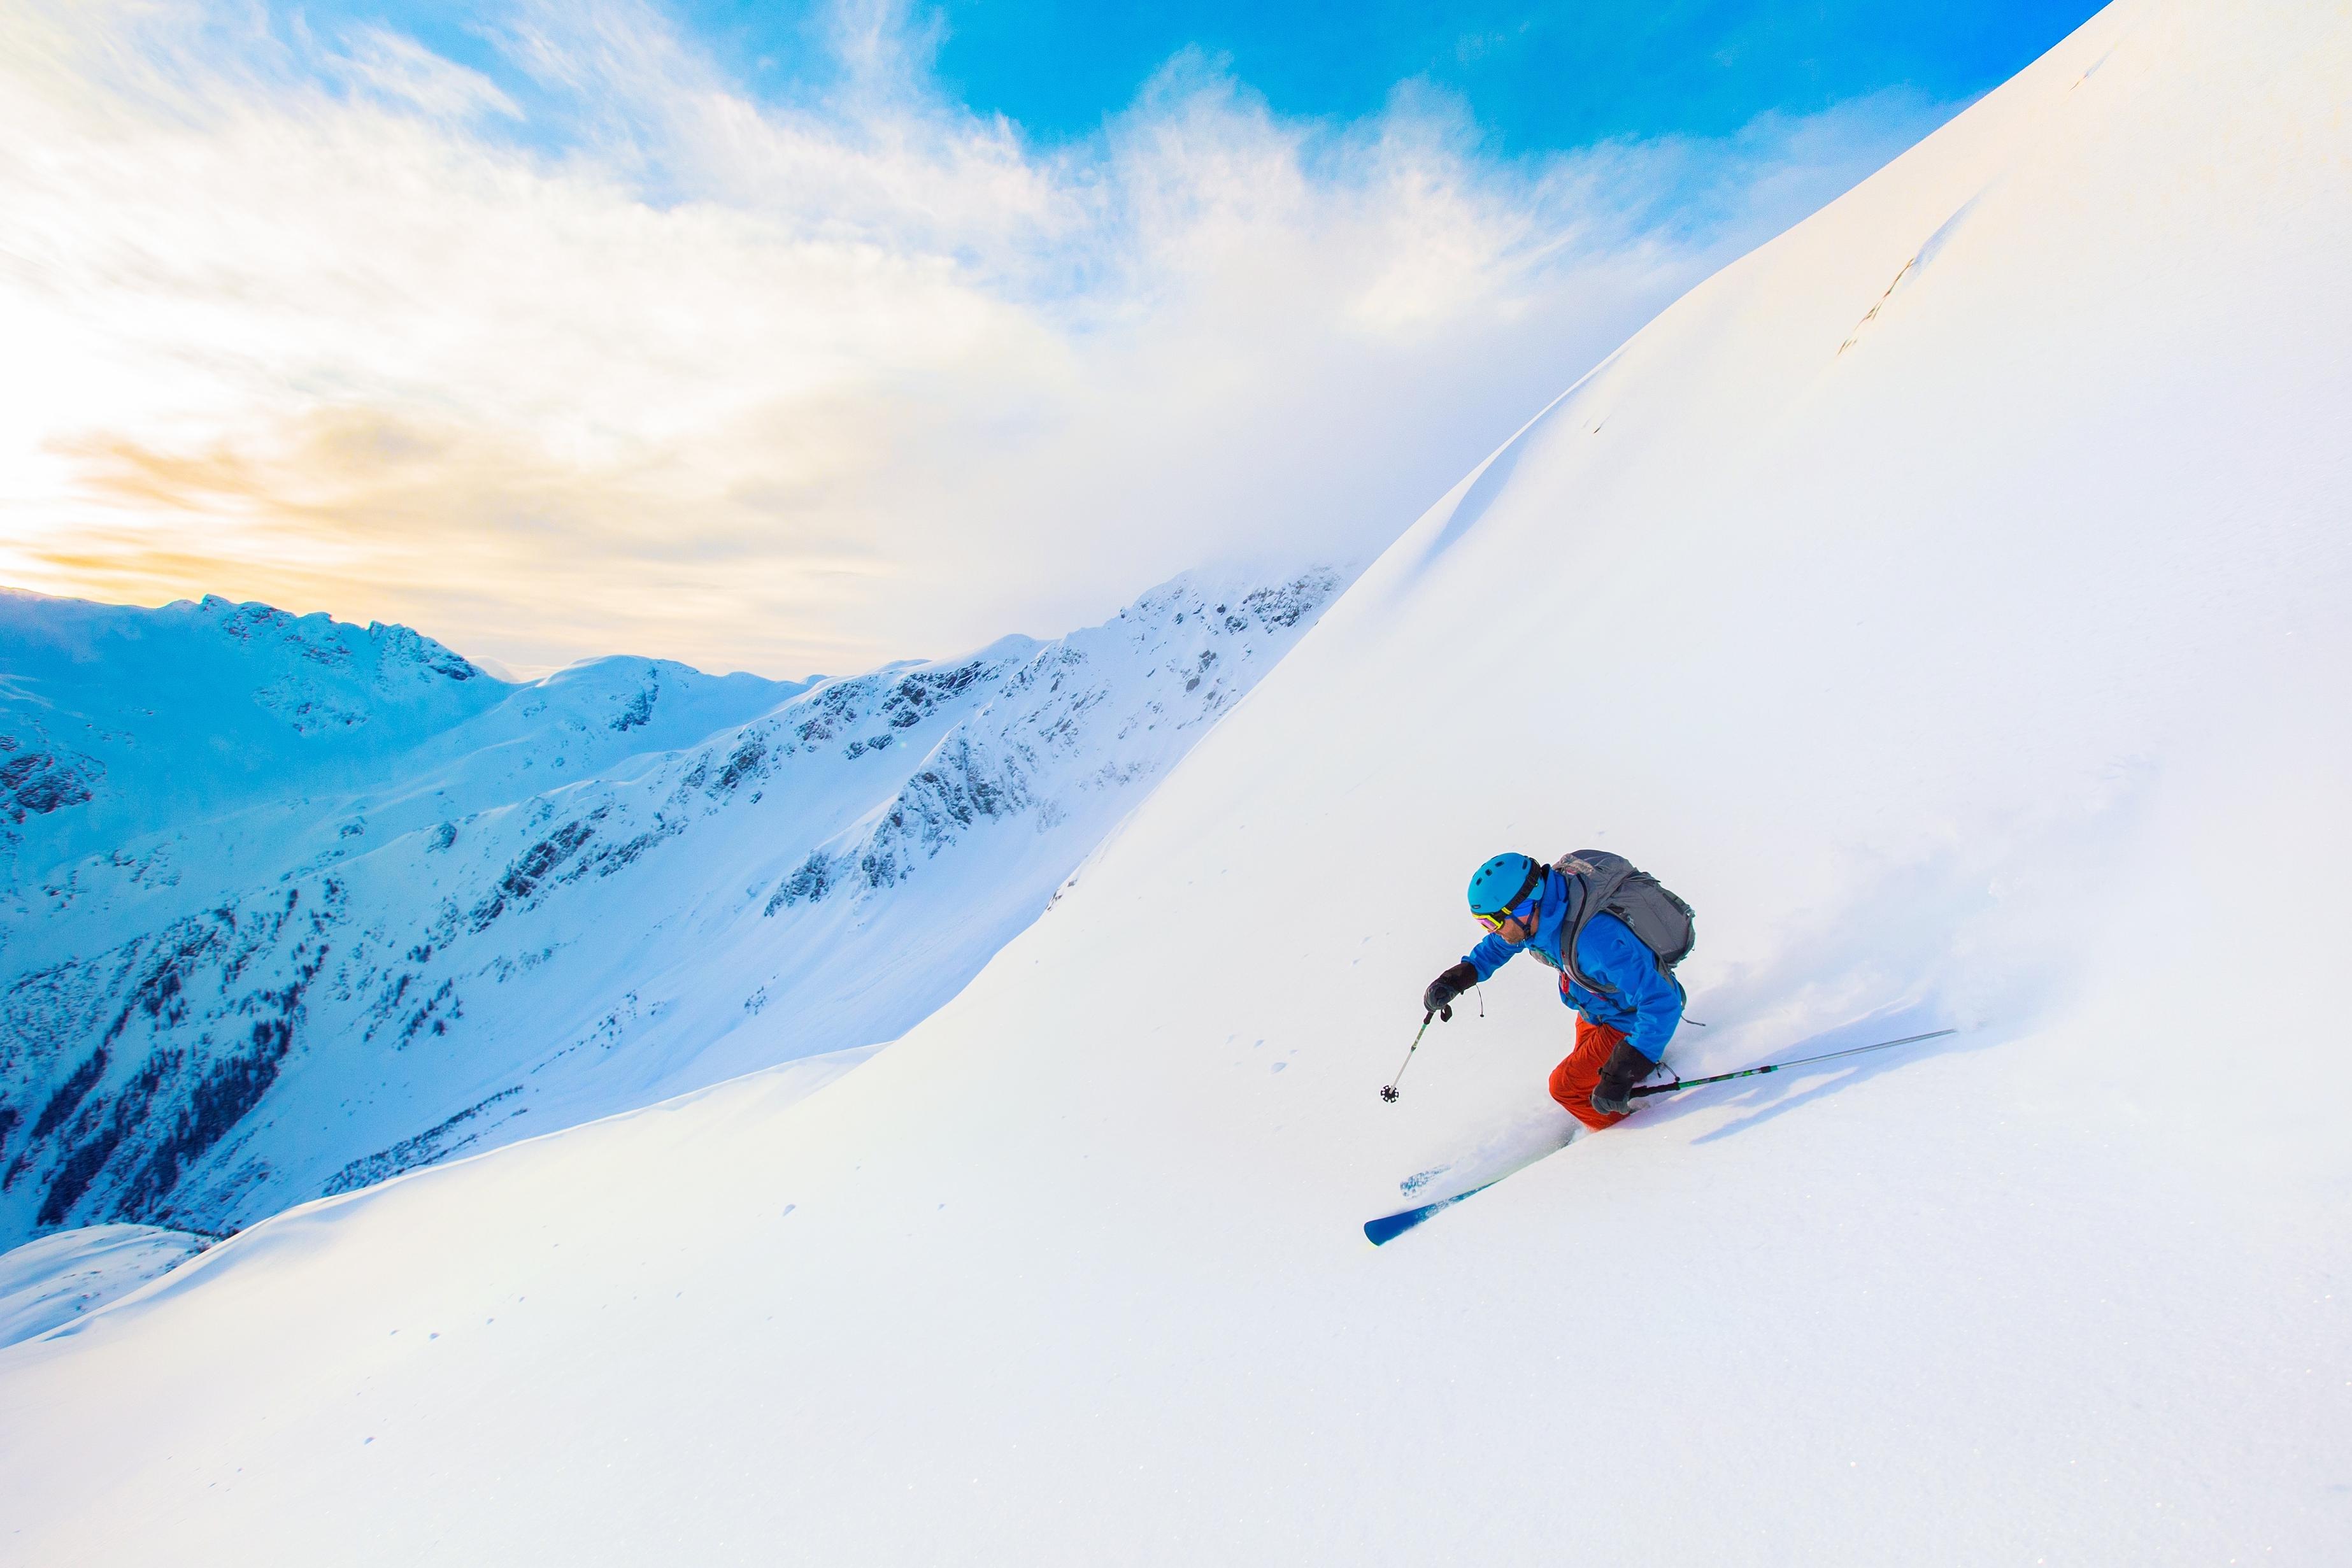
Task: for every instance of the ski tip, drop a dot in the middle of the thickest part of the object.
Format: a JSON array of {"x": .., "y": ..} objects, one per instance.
[{"x": 1388, "y": 1227}]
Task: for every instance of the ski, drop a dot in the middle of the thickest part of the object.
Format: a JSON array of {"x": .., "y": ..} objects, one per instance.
[
  {"x": 1509, "y": 1152},
  {"x": 1389, "y": 1226}
]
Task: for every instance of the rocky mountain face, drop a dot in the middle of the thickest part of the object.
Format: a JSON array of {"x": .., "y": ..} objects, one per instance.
[{"x": 288, "y": 906}]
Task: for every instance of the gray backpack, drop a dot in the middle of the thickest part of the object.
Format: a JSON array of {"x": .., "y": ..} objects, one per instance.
[{"x": 1598, "y": 882}]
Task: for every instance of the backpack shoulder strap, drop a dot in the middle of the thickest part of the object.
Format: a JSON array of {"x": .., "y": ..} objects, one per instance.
[{"x": 1593, "y": 878}]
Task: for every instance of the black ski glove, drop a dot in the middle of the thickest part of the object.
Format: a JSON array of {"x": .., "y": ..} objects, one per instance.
[
  {"x": 1439, "y": 997},
  {"x": 1627, "y": 1066}
]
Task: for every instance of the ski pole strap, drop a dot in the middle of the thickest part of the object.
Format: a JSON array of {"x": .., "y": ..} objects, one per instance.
[{"x": 1800, "y": 1061}]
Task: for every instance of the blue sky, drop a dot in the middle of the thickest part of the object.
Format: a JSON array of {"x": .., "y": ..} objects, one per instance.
[{"x": 1536, "y": 76}]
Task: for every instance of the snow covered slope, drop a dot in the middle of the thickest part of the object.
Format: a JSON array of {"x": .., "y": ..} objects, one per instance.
[
  {"x": 58, "y": 1278},
  {"x": 299, "y": 906},
  {"x": 1948, "y": 599}
]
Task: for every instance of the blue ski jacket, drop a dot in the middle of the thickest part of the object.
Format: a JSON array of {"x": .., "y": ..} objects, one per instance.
[{"x": 1641, "y": 1002}]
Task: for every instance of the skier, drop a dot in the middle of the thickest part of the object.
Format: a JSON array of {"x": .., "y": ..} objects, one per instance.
[{"x": 1627, "y": 933}]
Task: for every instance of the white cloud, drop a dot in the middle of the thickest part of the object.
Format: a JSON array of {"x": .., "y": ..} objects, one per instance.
[
  {"x": 405, "y": 71},
  {"x": 635, "y": 362}
]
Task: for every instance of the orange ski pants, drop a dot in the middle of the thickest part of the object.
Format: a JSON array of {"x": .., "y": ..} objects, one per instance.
[{"x": 1573, "y": 1082}]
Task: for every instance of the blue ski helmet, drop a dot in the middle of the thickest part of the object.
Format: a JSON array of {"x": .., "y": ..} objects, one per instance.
[{"x": 1501, "y": 883}]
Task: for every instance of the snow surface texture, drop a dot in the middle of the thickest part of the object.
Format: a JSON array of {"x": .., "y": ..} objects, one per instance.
[
  {"x": 297, "y": 907},
  {"x": 1989, "y": 668},
  {"x": 59, "y": 1276}
]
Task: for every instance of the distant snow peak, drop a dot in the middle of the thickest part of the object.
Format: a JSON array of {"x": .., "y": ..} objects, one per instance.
[
  {"x": 391, "y": 652},
  {"x": 419, "y": 913}
]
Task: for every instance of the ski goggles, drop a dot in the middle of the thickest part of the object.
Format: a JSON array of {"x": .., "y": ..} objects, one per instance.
[{"x": 1524, "y": 914}]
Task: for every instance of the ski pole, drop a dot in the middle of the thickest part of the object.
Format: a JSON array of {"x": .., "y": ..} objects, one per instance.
[
  {"x": 1776, "y": 1066},
  {"x": 1388, "y": 1090}
]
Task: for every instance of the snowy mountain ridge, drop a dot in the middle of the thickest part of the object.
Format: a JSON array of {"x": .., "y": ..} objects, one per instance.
[
  {"x": 288, "y": 738},
  {"x": 407, "y": 909}
]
